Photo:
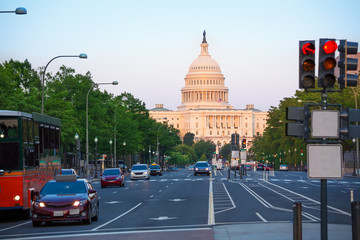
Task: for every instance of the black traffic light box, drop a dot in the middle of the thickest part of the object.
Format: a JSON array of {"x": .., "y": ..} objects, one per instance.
[
  {"x": 299, "y": 128},
  {"x": 347, "y": 127},
  {"x": 345, "y": 64},
  {"x": 307, "y": 64},
  {"x": 327, "y": 63}
]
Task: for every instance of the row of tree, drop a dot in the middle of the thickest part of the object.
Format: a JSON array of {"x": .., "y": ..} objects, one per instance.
[
  {"x": 123, "y": 116},
  {"x": 275, "y": 147}
]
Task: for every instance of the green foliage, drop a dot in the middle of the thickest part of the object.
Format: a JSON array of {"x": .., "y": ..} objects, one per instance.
[
  {"x": 187, "y": 151},
  {"x": 189, "y": 139},
  {"x": 204, "y": 147},
  {"x": 225, "y": 151},
  {"x": 203, "y": 157}
]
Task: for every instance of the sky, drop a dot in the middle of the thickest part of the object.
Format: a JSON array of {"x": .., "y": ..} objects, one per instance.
[{"x": 148, "y": 45}]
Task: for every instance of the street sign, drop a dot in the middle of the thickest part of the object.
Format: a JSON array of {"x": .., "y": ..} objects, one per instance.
[
  {"x": 243, "y": 155},
  {"x": 234, "y": 154},
  {"x": 325, "y": 161},
  {"x": 325, "y": 124}
]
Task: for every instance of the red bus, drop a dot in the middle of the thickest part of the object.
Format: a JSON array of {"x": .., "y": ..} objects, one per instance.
[{"x": 29, "y": 157}]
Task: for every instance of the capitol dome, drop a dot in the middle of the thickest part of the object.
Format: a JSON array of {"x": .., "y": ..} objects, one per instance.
[{"x": 204, "y": 84}]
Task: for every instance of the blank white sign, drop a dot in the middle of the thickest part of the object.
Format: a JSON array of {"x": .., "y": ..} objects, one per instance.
[
  {"x": 325, "y": 124},
  {"x": 325, "y": 161}
]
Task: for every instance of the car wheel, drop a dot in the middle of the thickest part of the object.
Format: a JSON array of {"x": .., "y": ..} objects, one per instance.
[
  {"x": 97, "y": 213},
  {"x": 36, "y": 224},
  {"x": 88, "y": 220}
]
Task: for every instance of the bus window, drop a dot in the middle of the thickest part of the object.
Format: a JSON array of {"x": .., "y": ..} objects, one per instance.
[
  {"x": 30, "y": 131},
  {"x": 46, "y": 136},
  {"x": 41, "y": 135},
  {"x": 9, "y": 128},
  {"x": 36, "y": 132},
  {"x": 57, "y": 138},
  {"x": 25, "y": 131},
  {"x": 9, "y": 156}
]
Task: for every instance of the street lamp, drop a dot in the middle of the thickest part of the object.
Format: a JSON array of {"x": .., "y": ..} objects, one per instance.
[
  {"x": 354, "y": 143},
  {"x": 96, "y": 140},
  {"x": 18, "y": 11},
  {"x": 87, "y": 117},
  {"x": 76, "y": 150},
  {"x": 82, "y": 55},
  {"x": 111, "y": 159}
]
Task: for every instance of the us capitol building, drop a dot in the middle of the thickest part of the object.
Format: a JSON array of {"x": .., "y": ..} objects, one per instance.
[{"x": 205, "y": 110}]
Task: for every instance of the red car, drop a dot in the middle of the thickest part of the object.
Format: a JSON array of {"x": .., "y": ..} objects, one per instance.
[
  {"x": 112, "y": 177},
  {"x": 66, "y": 198}
]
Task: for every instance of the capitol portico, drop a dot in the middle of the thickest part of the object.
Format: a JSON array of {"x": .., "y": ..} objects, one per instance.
[{"x": 205, "y": 110}]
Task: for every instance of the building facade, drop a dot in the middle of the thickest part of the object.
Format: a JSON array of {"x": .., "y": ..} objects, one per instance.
[{"x": 205, "y": 110}]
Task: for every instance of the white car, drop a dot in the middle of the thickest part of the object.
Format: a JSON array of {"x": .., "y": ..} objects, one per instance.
[
  {"x": 140, "y": 171},
  {"x": 284, "y": 167}
]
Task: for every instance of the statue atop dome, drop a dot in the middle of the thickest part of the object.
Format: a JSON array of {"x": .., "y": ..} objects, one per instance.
[{"x": 204, "y": 37}]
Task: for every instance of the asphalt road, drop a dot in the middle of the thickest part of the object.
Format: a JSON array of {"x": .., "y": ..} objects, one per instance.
[{"x": 181, "y": 205}]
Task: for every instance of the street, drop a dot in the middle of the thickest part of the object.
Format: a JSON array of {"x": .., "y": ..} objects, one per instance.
[{"x": 180, "y": 201}]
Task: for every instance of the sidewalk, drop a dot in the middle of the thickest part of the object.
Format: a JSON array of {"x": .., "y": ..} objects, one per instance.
[{"x": 279, "y": 231}]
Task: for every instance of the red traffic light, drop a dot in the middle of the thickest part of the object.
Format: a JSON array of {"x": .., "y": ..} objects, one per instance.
[
  {"x": 329, "y": 46},
  {"x": 308, "y": 49}
]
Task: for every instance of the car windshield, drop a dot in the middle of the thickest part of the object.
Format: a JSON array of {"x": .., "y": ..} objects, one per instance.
[
  {"x": 154, "y": 167},
  {"x": 111, "y": 172},
  {"x": 139, "y": 167},
  {"x": 63, "y": 188},
  {"x": 202, "y": 164}
]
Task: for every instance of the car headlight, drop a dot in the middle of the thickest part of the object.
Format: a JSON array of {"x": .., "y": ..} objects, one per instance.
[
  {"x": 77, "y": 203},
  {"x": 206, "y": 169},
  {"x": 196, "y": 169},
  {"x": 132, "y": 173},
  {"x": 119, "y": 177},
  {"x": 103, "y": 178},
  {"x": 39, "y": 204}
]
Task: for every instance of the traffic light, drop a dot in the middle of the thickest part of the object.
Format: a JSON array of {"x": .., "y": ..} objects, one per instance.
[
  {"x": 327, "y": 63},
  {"x": 299, "y": 128},
  {"x": 307, "y": 64},
  {"x": 347, "y": 127},
  {"x": 233, "y": 139},
  {"x": 345, "y": 64},
  {"x": 302, "y": 152},
  {"x": 237, "y": 140},
  {"x": 243, "y": 143}
]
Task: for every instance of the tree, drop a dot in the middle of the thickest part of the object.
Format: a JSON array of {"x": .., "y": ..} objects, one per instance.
[
  {"x": 188, "y": 151},
  {"x": 189, "y": 139},
  {"x": 203, "y": 158},
  {"x": 204, "y": 147},
  {"x": 225, "y": 151}
]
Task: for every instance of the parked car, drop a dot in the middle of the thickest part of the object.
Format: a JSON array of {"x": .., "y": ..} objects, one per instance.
[
  {"x": 140, "y": 171},
  {"x": 260, "y": 167},
  {"x": 155, "y": 169},
  {"x": 284, "y": 167},
  {"x": 191, "y": 168},
  {"x": 66, "y": 198},
  {"x": 69, "y": 171},
  {"x": 112, "y": 177},
  {"x": 202, "y": 168}
]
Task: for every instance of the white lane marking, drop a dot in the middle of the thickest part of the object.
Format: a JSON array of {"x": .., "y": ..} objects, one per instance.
[
  {"x": 310, "y": 199},
  {"x": 4, "y": 229},
  {"x": 211, "y": 214},
  {"x": 116, "y": 218},
  {"x": 163, "y": 218},
  {"x": 151, "y": 196},
  {"x": 160, "y": 190},
  {"x": 112, "y": 202},
  {"x": 261, "y": 217},
  {"x": 231, "y": 200},
  {"x": 114, "y": 192}
]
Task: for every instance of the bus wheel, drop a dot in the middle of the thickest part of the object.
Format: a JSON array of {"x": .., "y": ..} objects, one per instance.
[{"x": 26, "y": 214}]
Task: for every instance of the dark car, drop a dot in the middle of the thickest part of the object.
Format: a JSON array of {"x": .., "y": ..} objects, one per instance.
[
  {"x": 173, "y": 169},
  {"x": 248, "y": 168},
  {"x": 202, "y": 168},
  {"x": 69, "y": 171},
  {"x": 112, "y": 177},
  {"x": 66, "y": 198},
  {"x": 155, "y": 170},
  {"x": 260, "y": 167}
]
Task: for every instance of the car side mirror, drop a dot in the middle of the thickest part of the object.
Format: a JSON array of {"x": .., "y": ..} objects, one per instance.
[{"x": 92, "y": 191}]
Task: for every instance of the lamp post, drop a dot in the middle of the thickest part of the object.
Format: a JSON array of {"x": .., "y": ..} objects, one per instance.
[
  {"x": 82, "y": 55},
  {"x": 77, "y": 147},
  {"x": 354, "y": 143},
  {"x": 87, "y": 118},
  {"x": 96, "y": 159},
  {"x": 124, "y": 144},
  {"x": 111, "y": 160},
  {"x": 18, "y": 11},
  {"x": 356, "y": 139}
]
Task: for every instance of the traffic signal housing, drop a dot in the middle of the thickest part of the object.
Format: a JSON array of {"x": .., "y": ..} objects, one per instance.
[
  {"x": 300, "y": 128},
  {"x": 347, "y": 64},
  {"x": 307, "y": 64},
  {"x": 327, "y": 63},
  {"x": 243, "y": 143}
]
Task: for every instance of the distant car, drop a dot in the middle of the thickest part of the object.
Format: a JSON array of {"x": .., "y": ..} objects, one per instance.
[
  {"x": 248, "y": 168},
  {"x": 112, "y": 177},
  {"x": 260, "y": 167},
  {"x": 202, "y": 168},
  {"x": 140, "y": 171},
  {"x": 284, "y": 167},
  {"x": 191, "y": 168},
  {"x": 172, "y": 169},
  {"x": 66, "y": 198},
  {"x": 155, "y": 170},
  {"x": 69, "y": 171}
]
